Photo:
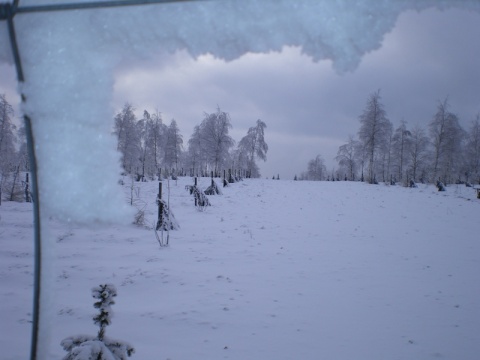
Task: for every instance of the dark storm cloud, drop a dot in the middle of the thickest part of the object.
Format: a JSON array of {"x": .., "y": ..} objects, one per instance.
[{"x": 310, "y": 109}]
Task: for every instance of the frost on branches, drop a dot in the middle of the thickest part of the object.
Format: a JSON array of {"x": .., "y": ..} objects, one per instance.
[{"x": 87, "y": 347}]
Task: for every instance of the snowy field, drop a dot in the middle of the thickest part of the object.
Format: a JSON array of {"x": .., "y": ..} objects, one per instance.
[{"x": 272, "y": 270}]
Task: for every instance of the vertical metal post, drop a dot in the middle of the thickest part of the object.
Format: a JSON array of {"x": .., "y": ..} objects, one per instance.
[
  {"x": 10, "y": 10},
  {"x": 195, "y": 194},
  {"x": 160, "y": 206},
  {"x": 27, "y": 189},
  {"x": 37, "y": 273}
]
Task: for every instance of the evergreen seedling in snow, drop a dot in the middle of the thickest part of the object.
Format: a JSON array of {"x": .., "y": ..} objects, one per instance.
[
  {"x": 105, "y": 295},
  {"x": 86, "y": 347}
]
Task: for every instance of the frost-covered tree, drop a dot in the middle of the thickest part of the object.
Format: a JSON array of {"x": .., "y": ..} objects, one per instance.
[
  {"x": 374, "y": 132},
  {"x": 173, "y": 146},
  {"x": 86, "y": 347},
  {"x": 216, "y": 142},
  {"x": 401, "y": 143},
  {"x": 446, "y": 136},
  {"x": 240, "y": 160},
  {"x": 23, "y": 149},
  {"x": 194, "y": 158},
  {"x": 253, "y": 145},
  {"x": 418, "y": 152},
  {"x": 316, "y": 169},
  {"x": 361, "y": 156},
  {"x": 8, "y": 154},
  {"x": 153, "y": 135},
  {"x": 346, "y": 157},
  {"x": 129, "y": 141},
  {"x": 472, "y": 150},
  {"x": 144, "y": 159},
  {"x": 386, "y": 154},
  {"x": 156, "y": 140},
  {"x": 7, "y": 128}
]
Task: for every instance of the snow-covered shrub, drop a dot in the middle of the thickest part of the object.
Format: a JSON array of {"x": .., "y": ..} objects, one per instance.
[
  {"x": 201, "y": 200},
  {"x": 87, "y": 347},
  {"x": 213, "y": 189},
  {"x": 139, "y": 218},
  {"x": 166, "y": 220},
  {"x": 440, "y": 186}
]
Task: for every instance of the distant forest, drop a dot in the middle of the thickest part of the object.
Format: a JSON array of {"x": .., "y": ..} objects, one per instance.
[
  {"x": 441, "y": 152},
  {"x": 149, "y": 146}
]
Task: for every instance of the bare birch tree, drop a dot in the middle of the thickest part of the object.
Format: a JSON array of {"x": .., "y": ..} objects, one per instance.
[
  {"x": 173, "y": 146},
  {"x": 216, "y": 142},
  {"x": 401, "y": 143},
  {"x": 472, "y": 150},
  {"x": 316, "y": 169},
  {"x": 346, "y": 157},
  {"x": 418, "y": 152},
  {"x": 8, "y": 155},
  {"x": 129, "y": 145},
  {"x": 254, "y": 146},
  {"x": 373, "y": 133},
  {"x": 446, "y": 135}
]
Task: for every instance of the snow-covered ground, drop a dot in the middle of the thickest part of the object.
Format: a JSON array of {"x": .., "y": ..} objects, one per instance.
[{"x": 272, "y": 270}]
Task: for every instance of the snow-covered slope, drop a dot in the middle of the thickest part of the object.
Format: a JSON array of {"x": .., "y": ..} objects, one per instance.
[{"x": 272, "y": 270}]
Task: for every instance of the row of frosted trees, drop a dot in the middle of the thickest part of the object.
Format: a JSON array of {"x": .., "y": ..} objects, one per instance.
[
  {"x": 443, "y": 151},
  {"x": 13, "y": 155},
  {"x": 148, "y": 146}
]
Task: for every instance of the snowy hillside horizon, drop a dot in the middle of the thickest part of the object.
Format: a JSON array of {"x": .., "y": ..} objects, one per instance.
[{"x": 271, "y": 270}]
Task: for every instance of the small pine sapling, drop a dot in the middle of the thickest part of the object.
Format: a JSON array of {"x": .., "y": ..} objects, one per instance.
[{"x": 86, "y": 347}]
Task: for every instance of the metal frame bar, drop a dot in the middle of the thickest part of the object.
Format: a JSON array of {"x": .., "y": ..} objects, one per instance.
[
  {"x": 89, "y": 5},
  {"x": 8, "y": 12}
]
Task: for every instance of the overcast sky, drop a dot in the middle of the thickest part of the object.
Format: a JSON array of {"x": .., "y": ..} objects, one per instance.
[{"x": 309, "y": 109}]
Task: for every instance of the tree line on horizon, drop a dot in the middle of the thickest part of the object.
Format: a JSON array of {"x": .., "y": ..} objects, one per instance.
[
  {"x": 148, "y": 146},
  {"x": 441, "y": 152}
]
